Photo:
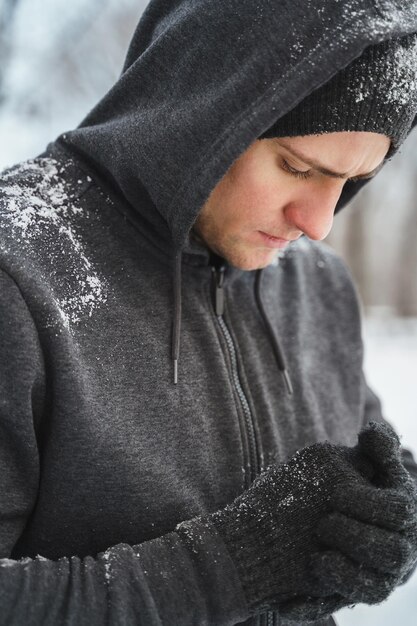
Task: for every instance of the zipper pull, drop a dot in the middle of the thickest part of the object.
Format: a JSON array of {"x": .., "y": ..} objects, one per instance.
[{"x": 218, "y": 289}]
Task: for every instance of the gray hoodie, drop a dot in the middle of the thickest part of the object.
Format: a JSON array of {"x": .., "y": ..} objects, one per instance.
[{"x": 102, "y": 286}]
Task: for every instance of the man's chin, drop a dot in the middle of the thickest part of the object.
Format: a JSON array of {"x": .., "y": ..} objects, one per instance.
[
  {"x": 251, "y": 262},
  {"x": 245, "y": 259}
]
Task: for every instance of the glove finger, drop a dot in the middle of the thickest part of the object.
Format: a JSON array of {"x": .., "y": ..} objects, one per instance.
[
  {"x": 307, "y": 608},
  {"x": 336, "y": 573},
  {"x": 389, "y": 508},
  {"x": 380, "y": 443},
  {"x": 384, "y": 550},
  {"x": 378, "y": 440}
]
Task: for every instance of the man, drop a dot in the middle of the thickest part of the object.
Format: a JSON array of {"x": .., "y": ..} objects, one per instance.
[{"x": 231, "y": 484}]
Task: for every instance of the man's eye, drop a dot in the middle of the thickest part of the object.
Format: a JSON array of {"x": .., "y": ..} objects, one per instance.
[{"x": 297, "y": 173}]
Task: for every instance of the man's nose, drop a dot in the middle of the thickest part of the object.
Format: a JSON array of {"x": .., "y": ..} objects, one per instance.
[{"x": 313, "y": 214}]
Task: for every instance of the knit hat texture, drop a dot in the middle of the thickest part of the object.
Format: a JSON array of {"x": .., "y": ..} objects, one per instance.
[{"x": 377, "y": 93}]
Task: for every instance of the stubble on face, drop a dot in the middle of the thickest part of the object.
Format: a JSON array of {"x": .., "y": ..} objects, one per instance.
[
  {"x": 229, "y": 246},
  {"x": 225, "y": 221}
]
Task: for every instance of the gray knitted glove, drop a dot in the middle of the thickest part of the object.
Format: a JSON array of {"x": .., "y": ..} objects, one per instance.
[
  {"x": 376, "y": 528},
  {"x": 369, "y": 540},
  {"x": 274, "y": 536}
]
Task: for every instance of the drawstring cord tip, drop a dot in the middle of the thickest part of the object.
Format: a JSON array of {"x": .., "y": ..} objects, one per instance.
[
  {"x": 288, "y": 382},
  {"x": 176, "y": 322}
]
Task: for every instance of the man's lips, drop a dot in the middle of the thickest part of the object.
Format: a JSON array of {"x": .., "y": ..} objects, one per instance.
[{"x": 271, "y": 241}]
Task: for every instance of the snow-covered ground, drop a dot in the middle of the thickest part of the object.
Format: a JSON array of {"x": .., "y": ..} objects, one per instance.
[{"x": 391, "y": 367}]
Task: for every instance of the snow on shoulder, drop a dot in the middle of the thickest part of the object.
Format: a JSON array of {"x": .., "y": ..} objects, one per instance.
[{"x": 41, "y": 223}]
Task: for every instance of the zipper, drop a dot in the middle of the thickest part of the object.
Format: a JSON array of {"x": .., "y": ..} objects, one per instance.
[
  {"x": 218, "y": 273},
  {"x": 266, "y": 619}
]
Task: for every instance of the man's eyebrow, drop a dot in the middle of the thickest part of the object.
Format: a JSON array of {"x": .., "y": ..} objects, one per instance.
[{"x": 323, "y": 170}]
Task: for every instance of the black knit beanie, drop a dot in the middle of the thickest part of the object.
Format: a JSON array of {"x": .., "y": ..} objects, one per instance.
[{"x": 377, "y": 93}]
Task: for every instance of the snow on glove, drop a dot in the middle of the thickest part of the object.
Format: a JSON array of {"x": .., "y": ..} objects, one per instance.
[
  {"x": 375, "y": 526},
  {"x": 269, "y": 529}
]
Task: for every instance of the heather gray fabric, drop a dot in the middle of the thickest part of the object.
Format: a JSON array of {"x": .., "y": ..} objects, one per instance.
[{"x": 101, "y": 456}]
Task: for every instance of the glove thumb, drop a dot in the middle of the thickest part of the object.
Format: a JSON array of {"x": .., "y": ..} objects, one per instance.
[{"x": 381, "y": 445}]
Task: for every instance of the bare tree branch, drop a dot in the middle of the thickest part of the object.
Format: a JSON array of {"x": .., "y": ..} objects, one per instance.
[{"x": 7, "y": 14}]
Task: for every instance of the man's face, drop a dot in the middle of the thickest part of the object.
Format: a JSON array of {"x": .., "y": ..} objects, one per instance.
[{"x": 284, "y": 187}]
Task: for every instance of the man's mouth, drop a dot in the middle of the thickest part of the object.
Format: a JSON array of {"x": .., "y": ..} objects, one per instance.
[{"x": 273, "y": 242}]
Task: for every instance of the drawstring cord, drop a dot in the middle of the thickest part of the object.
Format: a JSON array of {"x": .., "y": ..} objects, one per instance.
[
  {"x": 279, "y": 355},
  {"x": 176, "y": 323}
]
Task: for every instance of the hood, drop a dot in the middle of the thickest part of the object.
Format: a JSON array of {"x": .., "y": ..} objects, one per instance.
[{"x": 204, "y": 78}]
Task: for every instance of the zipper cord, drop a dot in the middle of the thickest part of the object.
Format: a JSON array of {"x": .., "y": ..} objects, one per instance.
[
  {"x": 176, "y": 322},
  {"x": 278, "y": 352}
]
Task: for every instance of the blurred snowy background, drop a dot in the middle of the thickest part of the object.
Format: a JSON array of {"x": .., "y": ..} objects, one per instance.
[{"x": 57, "y": 58}]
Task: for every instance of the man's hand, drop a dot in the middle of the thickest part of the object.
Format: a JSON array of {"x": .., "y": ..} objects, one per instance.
[
  {"x": 271, "y": 530},
  {"x": 370, "y": 534}
]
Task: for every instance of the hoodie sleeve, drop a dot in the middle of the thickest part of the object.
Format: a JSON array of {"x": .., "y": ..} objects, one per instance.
[
  {"x": 161, "y": 581},
  {"x": 21, "y": 403}
]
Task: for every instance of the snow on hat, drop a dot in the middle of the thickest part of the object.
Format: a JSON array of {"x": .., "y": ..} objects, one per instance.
[{"x": 377, "y": 93}]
